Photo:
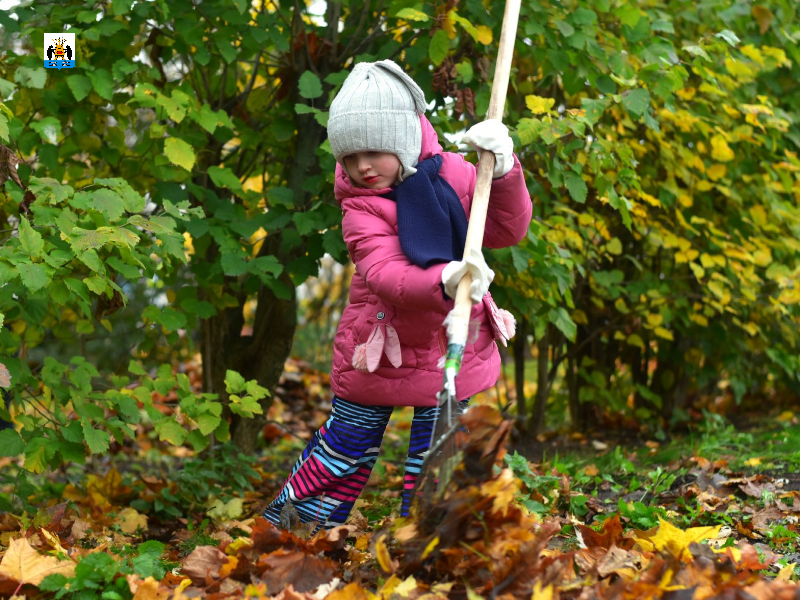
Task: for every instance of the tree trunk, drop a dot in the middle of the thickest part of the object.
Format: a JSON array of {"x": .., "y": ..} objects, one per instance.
[
  {"x": 573, "y": 389},
  {"x": 542, "y": 383},
  {"x": 520, "y": 345}
]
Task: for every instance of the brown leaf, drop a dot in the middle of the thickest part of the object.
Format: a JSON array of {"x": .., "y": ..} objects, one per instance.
[
  {"x": 330, "y": 539},
  {"x": 204, "y": 560},
  {"x": 610, "y": 534},
  {"x": 764, "y": 17},
  {"x": 302, "y": 571},
  {"x": 25, "y": 565}
]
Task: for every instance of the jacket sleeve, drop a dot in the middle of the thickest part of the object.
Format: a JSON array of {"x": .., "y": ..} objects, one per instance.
[
  {"x": 510, "y": 209},
  {"x": 375, "y": 249}
]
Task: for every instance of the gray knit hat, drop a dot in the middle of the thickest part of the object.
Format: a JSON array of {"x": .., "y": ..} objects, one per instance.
[{"x": 378, "y": 110}]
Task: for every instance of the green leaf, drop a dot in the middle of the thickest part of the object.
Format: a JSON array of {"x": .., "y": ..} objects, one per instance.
[
  {"x": 31, "y": 78},
  {"x": 565, "y": 28},
  {"x": 171, "y": 319},
  {"x": 636, "y": 101},
  {"x": 577, "y": 187},
  {"x": 225, "y": 178},
  {"x": 439, "y": 47},
  {"x": 179, "y": 152},
  {"x": 309, "y": 86},
  {"x": 107, "y": 203},
  {"x": 561, "y": 319},
  {"x": 728, "y": 36},
  {"x": 36, "y": 455},
  {"x": 170, "y": 431},
  {"x": 584, "y": 16},
  {"x": 412, "y": 14},
  {"x": 234, "y": 382},
  {"x": 97, "y": 439},
  {"x": 30, "y": 239},
  {"x": 594, "y": 109},
  {"x": 4, "y": 128},
  {"x": 11, "y": 443},
  {"x": 34, "y": 277},
  {"x": 87, "y": 239},
  {"x": 80, "y": 85},
  {"x": 207, "y": 423},
  {"x": 103, "y": 83},
  {"x": 201, "y": 308}
]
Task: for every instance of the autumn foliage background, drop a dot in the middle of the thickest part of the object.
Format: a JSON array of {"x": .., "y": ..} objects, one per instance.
[{"x": 169, "y": 238}]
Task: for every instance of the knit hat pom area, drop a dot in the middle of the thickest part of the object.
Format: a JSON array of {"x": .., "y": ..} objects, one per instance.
[{"x": 377, "y": 110}]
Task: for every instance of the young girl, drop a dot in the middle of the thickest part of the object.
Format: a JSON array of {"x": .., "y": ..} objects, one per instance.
[{"x": 405, "y": 204}]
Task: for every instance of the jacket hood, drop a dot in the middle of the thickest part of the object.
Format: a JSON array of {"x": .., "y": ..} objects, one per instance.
[{"x": 343, "y": 186}]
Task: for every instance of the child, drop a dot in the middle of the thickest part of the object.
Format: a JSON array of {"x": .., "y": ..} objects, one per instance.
[{"x": 405, "y": 204}]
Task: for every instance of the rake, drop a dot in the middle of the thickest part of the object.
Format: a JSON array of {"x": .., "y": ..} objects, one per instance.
[{"x": 442, "y": 457}]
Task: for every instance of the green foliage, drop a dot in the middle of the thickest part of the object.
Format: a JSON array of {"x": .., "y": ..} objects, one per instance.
[
  {"x": 101, "y": 575},
  {"x": 199, "y": 483}
]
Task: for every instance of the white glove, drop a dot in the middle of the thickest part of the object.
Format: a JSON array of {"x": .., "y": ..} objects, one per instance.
[
  {"x": 482, "y": 275},
  {"x": 493, "y": 136}
]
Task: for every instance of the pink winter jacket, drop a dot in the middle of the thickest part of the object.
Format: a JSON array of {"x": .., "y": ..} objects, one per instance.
[{"x": 396, "y": 303}]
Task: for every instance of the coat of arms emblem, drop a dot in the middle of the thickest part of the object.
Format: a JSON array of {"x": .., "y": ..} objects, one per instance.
[{"x": 59, "y": 50}]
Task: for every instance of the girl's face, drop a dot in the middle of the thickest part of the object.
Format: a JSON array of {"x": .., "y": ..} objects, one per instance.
[{"x": 374, "y": 170}]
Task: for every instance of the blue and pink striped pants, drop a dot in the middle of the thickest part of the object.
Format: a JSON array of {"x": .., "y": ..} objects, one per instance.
[{"x": 335, "y": 466}]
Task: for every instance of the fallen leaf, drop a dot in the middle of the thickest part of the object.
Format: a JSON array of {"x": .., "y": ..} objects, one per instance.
[
  {"x": 667, "y": 537},
  {"x": 204, "y": 560},
  {"x": 129, "y": 520},
  {"x": 352, "y": 591},
  {"x": 146, "y": 589},
  {"x": 24, "y": 564},
  {"x": 302, "y": 571},
  {"x": 382, "y": 555}
]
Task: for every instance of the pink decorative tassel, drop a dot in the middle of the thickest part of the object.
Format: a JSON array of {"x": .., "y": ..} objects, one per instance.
[
  {"x": 510, "y": 322},
  {"x": 360, "y": 357}
]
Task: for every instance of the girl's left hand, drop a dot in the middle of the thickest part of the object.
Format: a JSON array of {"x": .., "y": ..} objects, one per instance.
[{"x": 493, "y": 136}]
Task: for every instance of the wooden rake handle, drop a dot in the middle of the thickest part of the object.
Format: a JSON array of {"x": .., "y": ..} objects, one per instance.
[{"x": 459, "y": 324}]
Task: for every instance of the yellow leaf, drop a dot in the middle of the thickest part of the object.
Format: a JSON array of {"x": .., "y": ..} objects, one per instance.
[
  {"x": 503, "y": 488},
  {"x": 382, "y": 554},
  {"x": 667, "y": 537},
  {"x": 717, "y": 172},
  {"x": 580, "y": 317},
  {"x": 404, "y": 589},
  {"x": 352, "y": 591},
  {"x": 786, "y": 572},
  {"x": 786, "y": 416},
  {"x": 147, "y": 589},
  {"x": 614, "y": 247},
  {"x": 698, "y": 271},
  {"x": 238, "y": 544},
  {"x": 54, "y": 541},
  {"x": 542, "y": 594},
  {"x": 484, "y": 35},
  {"x": 538, "y": 105},
  {"x": 706, "y": 260},
  {"x": 635, "y": 340},
  {"x": 703, "y": 186},
  {"x": 720, "y": 151},
  {"x": 752, "y": 462},
  {"x": 620, "y": 305},
  {"x": 23, "y": 564},
  {"x": 699, "y": 319},
  {"x": 685, "y": 201},
  {"x": 655, "y": 319},
  {"x": 759, "y": 215},
  {"x": 130, "y": 520},
  {"x": 664, "y": 333},
  {"x": 430, "y": 547}
]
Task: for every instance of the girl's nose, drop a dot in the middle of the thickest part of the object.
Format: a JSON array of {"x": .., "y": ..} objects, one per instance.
[{"x": 363, "y": 165}]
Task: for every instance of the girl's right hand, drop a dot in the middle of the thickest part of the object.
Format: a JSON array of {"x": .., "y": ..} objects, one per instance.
[{"x": 482, "y": 275}]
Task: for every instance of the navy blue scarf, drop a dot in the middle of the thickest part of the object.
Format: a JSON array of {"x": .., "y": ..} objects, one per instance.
[{"x": 431, "y": 222}]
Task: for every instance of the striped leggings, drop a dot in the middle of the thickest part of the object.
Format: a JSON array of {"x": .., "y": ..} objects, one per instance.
[{"x": 335, "y": 466}]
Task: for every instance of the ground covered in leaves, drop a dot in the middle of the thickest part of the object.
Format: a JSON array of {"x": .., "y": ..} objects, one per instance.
[{"x": 713, "y": 514}]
